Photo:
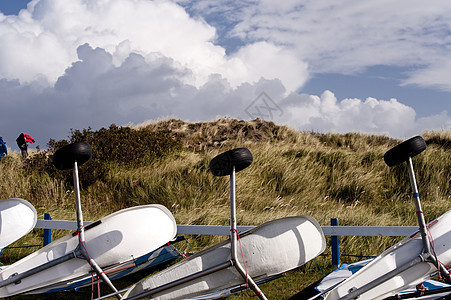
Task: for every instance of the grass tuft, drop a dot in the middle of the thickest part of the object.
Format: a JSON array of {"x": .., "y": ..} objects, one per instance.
[{"x": 294, "y": 173}]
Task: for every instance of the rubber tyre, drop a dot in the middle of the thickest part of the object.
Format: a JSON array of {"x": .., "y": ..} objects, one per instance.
[
  {"x": 64, "y": 158},
  {"x": 403, "y": 151},
  {"x": 222, "y": 165}
]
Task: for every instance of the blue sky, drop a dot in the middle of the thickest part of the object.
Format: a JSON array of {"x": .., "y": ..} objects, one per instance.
[
  {"x": 376, "y": 67},
  {"x": 12, "y": 7}
]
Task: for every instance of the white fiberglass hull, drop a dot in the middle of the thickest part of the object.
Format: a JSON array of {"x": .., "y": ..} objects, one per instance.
[
  {"x": 397, "y": 256},
  {"x": 17, "y": 218},
  {"x": 345, "y": 271},
  {"x": 162, "y": 255},
  {"x": 269, "y": 249},
  {"x": 119, "y": 237}
]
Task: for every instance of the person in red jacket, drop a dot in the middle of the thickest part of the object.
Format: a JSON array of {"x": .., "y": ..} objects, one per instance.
[{"x": 22, "y": 141}]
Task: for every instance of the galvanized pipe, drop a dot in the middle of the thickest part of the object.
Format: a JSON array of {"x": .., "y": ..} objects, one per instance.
[
  {"x": 16, "y": 278},
  {"x": 105, "y": 278},
  {"x": 80, "y": 224},
  {"x": 112, "y": 294},
  {"x": 419, "y": 212},
  {"x": 234, "y": 238},
  {"x": 422, "y": 223},
  {"x": 81, "y": 233}
]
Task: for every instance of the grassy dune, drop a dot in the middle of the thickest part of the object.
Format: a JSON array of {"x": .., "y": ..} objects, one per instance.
[{"x": 294, "y": 173}]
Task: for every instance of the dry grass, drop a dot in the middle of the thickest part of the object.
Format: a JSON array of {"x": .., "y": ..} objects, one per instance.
[{"x": 294, "y": 173}]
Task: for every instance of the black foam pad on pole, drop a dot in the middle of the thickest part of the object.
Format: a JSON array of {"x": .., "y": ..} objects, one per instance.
[
  {"x": 79, "y": 152},
  {"x": 222, "y": 165}
]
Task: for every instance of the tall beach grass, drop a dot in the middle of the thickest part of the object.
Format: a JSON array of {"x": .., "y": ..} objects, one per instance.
[{"x": 294, "y": 173}]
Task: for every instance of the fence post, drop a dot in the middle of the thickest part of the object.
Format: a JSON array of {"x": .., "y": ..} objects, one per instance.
[
  {"x": 335, "y": 245},
  {"x": 47, "y": 232}
]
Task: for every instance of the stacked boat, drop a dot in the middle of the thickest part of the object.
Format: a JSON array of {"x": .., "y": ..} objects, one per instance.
[
  {"x": 17, "y": 218},
  {"x": 409, "y": 263}
]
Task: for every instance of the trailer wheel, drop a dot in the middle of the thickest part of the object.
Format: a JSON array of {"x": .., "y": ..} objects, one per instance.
[
  {"x": 403, "y": 151},
  {"x": 64, "y": 158},
  {"x": 222, "y": 164}
]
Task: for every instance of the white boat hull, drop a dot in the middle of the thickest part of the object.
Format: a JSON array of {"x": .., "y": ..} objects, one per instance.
[
  {"x": 345, "y": 271},
  {"x": 119, "y": 237},
  {"x": 233, "y": 290},
  {"x": 394, "y": 258},
  {"x": 161, "y": 255},
  {"x": 269, "y": 249},
  {"x": 17, "y": 218}
]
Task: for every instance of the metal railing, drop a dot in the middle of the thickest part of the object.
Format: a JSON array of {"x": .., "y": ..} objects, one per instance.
[
  {"x": 334, "y": 231},
  {"x": 225, "y": 230}
]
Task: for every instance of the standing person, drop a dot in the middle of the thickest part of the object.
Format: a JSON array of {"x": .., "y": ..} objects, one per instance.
[
  {"x": 3, "y": 150},
  {"x": 22, "y": 141}
]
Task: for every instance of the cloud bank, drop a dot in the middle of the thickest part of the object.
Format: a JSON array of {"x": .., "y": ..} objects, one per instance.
[
  {"x": 348, "y": 36},
  {"x": 85, "y": 63}
]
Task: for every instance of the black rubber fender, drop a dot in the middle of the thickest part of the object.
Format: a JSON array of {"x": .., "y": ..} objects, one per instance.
[
  {"x": 64, "y": 158},
  {"x": 401, "y": 153},
  {"x": 222, "y": 165}
]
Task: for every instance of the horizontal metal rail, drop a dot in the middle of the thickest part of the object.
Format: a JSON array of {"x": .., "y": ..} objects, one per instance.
[{"x": 225, "y": 230}]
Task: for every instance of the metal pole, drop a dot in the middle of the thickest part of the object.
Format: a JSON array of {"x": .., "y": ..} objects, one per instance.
[
  {"x": 416, "y": 199},
  {"x": 18, "y": 277},
  {"x": 233, "y": 240},
  {"x": 80, "y": 224},
  {"x": 429, "y": 256},
  {"x": 233, "y": 236},
  {"x": 112, "y": 294},
  {"x": 81, "y": 233},
  {"x": 105, "y": 278}
]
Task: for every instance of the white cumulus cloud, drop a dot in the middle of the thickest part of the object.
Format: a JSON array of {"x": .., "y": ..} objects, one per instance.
[
  {"x": 42, "y": 41},
  {"x": 347, "y": 36},
  {"x": 91, "y": 63}
]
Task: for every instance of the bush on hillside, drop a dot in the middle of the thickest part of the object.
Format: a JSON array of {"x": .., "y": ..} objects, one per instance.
[{"x": 121, "y": 146}]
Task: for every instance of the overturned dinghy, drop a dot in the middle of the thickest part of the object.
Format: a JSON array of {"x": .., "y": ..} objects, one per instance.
[
  {"x": 412, "y": 260},
  {"x": 400, "y": 267},
  {"x": 117, "y": 238},
  {"x": 116, "y": 271},
  {"x": 17, "y": 218},
  {"x": 267, "y": 250},
  {"x": 121, "y": 236},
  {"x": 434, "y": 289}
]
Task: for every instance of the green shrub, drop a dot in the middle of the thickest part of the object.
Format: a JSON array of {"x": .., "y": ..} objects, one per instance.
[{"x": 122, "y": 146}]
